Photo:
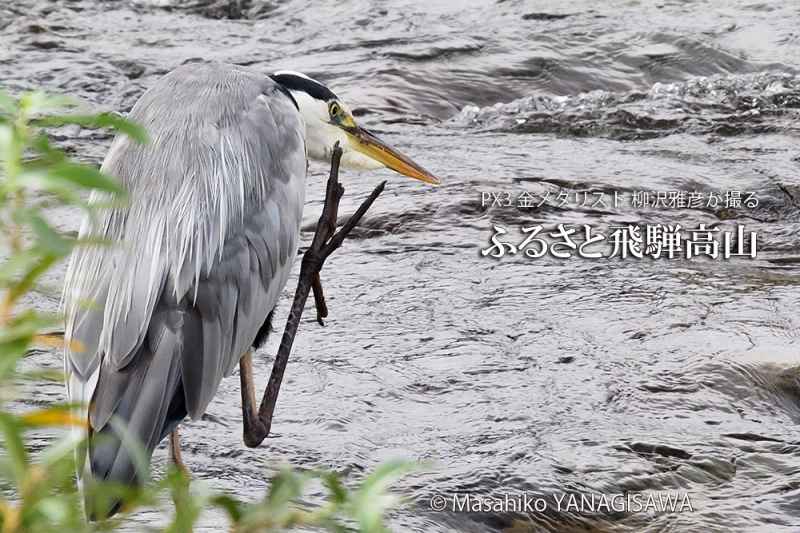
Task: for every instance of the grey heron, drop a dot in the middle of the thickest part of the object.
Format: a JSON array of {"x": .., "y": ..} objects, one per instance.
[{"x": 204, "y": 246}]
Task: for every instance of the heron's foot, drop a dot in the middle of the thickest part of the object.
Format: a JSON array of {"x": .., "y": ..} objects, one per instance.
[
  {"x": 253, "y": 431},
  {"x": 175, "y": 453}
]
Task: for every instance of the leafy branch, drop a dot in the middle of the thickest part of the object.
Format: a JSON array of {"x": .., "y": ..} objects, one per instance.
[{"x": 37, "y": 489}]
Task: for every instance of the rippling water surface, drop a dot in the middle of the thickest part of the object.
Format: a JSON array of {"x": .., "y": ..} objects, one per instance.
[{"x": 541, "y": 375}]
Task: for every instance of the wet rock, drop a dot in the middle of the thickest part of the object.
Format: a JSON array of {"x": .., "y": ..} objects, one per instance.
[
  {"x": 659, "y": 449},
  {"x": 545, "y": 16},
  {"x": 219, "y": 9},
  {"x": 752, "y": 437},
  {"x": 131, "y": 69},
  {"x": 35, "y": 28},
  {"x": 46, "y": 44}
]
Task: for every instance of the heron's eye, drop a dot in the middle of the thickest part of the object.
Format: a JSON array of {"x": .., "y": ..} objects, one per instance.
[{"x": 334, "y": 109}]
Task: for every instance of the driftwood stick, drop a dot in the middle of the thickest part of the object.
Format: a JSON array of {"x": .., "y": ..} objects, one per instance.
[
  {"x": 319, "y": 299},
  {"x": 326, "y": 241}
]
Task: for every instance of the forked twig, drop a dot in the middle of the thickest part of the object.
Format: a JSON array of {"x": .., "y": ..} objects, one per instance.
[{"x": 326, "y": 241}]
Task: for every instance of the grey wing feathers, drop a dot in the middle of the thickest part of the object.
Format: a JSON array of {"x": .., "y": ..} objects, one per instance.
[
  {"x": 142, "y": 398},
  {"x": 205, "y": 245}
]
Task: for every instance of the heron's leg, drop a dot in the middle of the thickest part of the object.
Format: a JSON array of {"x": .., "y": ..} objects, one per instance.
[
  {"x": 253, "y": 431},
  {"x": 175, "y": 452}
]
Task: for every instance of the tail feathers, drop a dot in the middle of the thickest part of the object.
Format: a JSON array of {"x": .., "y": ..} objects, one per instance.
[
  {"x": 130, "y": 413},
  {"x": 79, "y": 392}
]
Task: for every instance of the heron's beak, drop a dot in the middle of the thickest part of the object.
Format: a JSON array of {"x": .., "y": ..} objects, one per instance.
[{"x": 365, "y": 142}]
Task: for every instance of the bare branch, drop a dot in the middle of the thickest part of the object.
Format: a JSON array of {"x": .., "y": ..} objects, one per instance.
[{"x": 326, "y": 241}]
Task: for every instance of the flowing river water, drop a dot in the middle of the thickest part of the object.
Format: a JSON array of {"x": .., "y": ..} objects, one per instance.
[{"x": 542, "y": 376}]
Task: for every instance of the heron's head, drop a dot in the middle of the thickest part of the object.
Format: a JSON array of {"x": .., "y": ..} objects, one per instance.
[{"x": 328, "y": 120}]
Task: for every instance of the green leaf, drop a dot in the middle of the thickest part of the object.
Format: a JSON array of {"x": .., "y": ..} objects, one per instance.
[
  {"x": 48, "y": 238},
  {"x": 55, "y": 510},
  {"x": 63, "y": 448},
  {"x": 85, "y": 176},
  {"x": 7, "y": 104},
  {"x": 12, "y": 351},
  {"x": 335, "y": 486},
  {"x": 188, "y": 505},
  {"x": 230, "y": 505},
  {"x": 41, "y": 144},
  {"x": 123, "y": 125},
  {"x": 14, "y": 447},
  {"x": 30, "y": 277},
  {"x": 25, "y": 325},
  {"x": 65, "y": 192},
  {"x": 134, "y": 447},
  {"x": 286, "y": 486},
  {"x": 6, "y": 141},
  {"x": 15, "y": 266},
  {"x": 39, "y": 102},
  {"x": 371, "y": 501},
  {"x": 386, "y": 474},
  {"x": 100, "y": 120}
]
